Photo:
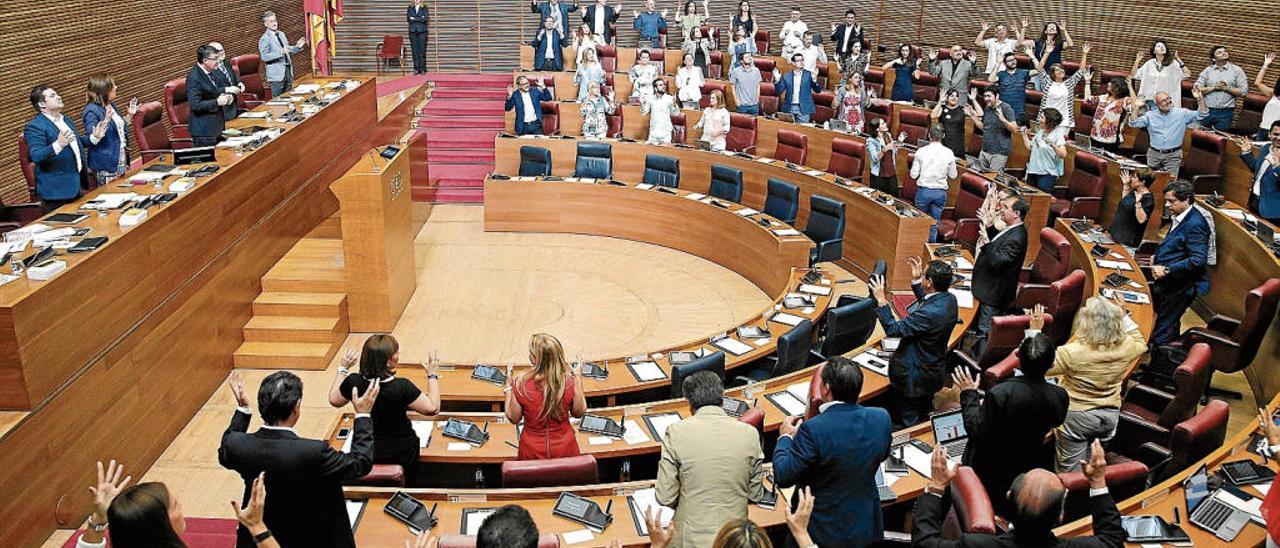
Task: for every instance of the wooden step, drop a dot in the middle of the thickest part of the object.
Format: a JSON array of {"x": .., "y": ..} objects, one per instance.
[
  {"x": 318, "y": 305},
  {"x": 314, "y": 265},
  {"x": 294, "y": 329},
  {"x": 330, "y": 228},
  {"x": 284, "y": 355}
]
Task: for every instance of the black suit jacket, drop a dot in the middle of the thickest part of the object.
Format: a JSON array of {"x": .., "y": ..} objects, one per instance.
[
  {"x": 226, "y": 77},
  {"x": 417, "y": 18},
  {"x": 1007, "y": 429},
  {"x": 995, "y": 274},
  {"x": 304, "y": 479},
  {"x": 837, "y": 38},
  {"x": 202, "y": 99},
  {"x": 1107, "y": 532},
  {"x": 610, "y": 16}
]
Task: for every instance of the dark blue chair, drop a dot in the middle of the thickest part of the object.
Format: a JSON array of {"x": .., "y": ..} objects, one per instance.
[
  {"x": 595, "y": 160},
  {"x": 782, "y": 201},
  {"x": 793, "y": 354},
  {"x": 661, "y": 170},
  {"x": 825, "y": 228},
  {"x": 535, "y": 161},
  {"x": 711, "y": 362},
  {"x": 847, "y": 327},
  {"x": 726, "y": 183}
]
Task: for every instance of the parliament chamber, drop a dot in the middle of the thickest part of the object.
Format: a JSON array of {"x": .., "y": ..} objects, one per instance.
[{"x": 368, "y": 203}]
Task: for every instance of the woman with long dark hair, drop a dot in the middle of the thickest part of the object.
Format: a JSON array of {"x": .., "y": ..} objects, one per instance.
[
  {"x": 745, "y": 19},
  {"x": 1108, "y": 113},
  {"x": 1055, "y": 34},
  {"x": 545, "y": 397},
  {"x": 1164, "y": 71},
  {"x": 905, "y": 68},
  {"x": 109, "y": 156}
]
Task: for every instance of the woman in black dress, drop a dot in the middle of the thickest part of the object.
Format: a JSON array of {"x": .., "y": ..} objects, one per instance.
[
  {"x": 950, "y": 114},
  {"x": 1130, "y": 221},
  {"x": 394, "y": 441}
]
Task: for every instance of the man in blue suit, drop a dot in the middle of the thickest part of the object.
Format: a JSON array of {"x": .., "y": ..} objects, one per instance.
[
  {"x": 836, "y": 454},
  {"x": 57, "y": 149},
  {"x": 1264, "y": 197},
  {"x": 548, "y": 47},
  {"x": 918, "y": 369},
  {"x": 1178, "y": 266},
  {"x": 558, "y": 11},
  {"x": 795, "y": 90},
  {"x": 206, "y": 98},
  {"x": 600, "y": 15},
  {"x": 528, "y": 105}
]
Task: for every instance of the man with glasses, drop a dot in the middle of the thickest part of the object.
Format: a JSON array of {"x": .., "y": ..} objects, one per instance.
[
  {"x": 228, "y": 79},
  {"x": 1167, "y": 125}
]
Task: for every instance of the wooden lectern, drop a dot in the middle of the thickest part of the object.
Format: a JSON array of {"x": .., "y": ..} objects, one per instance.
[{"x": 377, "y": 239}]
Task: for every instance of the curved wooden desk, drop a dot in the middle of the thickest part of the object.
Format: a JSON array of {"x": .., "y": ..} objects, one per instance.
[{"x": 1144, "y": 314}]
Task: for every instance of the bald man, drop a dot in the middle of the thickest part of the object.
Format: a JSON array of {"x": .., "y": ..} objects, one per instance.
[{"x": 1037, "y": 496}]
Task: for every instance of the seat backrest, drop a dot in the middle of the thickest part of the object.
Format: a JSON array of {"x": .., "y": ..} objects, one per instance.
[
  {"x": 249, "y": 67},
  {"x": 608, "y": 56},
  {"x": 755, "y": 417},
  {"x": 564, "y": 471},
  {"x": 661, "y": 170},
  {"x": 391, "y": 46},
  {"x": 1259, "y": 312},
  {"x": 534, "y": 161},
  {"x": 766, "y": 67},
  {"x": 1053, "y": 258},
  {"x": 793, "y": 349},
  {"x": 659, "y": 57},
  {"x": 726, "y": 183},
  {"x": 848, "y": 327},
  {"x": 1189, "y": 380},
  {"x": 1206, "y": 155},
  {"x": 826, "y": 219},
  {"x": 915, "y": 123},
  {"x": 615, "y": 123},
  {"x": 148, "y": 127},
  {"x": 815, "y": 392},
  {"x": 709, "y": 86},
  {"x": 762, "y": 40},
  {"x": 926, "y": 87},
  {"x": 1006, "y": 335},
  {"x": 1196, "y": 437},
  {"x": 847, "y": 157},
  {"x": 595, "y": 160},
  {"x": 1124, "y": 479},
  {"x": 715, "y": 65},
  {"x": 1002, "y": 370},
  {"x": 874, "y": 79},
  {"x": 1031, "y": 108},
  {"x": 742, "y": 132},
  {"x": 1066, "y": 296},
  {"x": 1250, "y": 116},
  {"x": 768, "y": 89},
  {"x": 712, "y": 362},
  {"x": 793, "y": 146},
  {"x": 1188, "y": 98},
  {"x": 550, "y": 117},
  {"x": 549, "y": 540},
  {"x": 782, "y": 200},
  {"x": 973, "y": 191},
  {"x": 908, "y": 188},
  {"x": 24, "y": 162},
  {"x": 823, "y": 106},
  {"x": 973, "y": 506},
  {"x": 175, "y": 101},
  {"x": 1089, "y": 178},
  {"x": 1084, "y": 120},
  {"x": 679, "y": 128},
  {"x": 381, "y": 475}
]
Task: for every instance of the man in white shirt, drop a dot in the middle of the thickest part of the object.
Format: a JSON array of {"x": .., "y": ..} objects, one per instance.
[
  {"x": 792, "y": 34},
  {"x": 813, "y": 54},
  {"x": 934, "y": 166},
  {"x": 1000, "y": 45},
  {"x": 56, "y": 148}
]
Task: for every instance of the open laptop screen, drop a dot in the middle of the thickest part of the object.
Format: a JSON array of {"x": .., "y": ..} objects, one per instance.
[
  {"x": 948, "y": 427},
  {"x": 1196, "y": 488}
]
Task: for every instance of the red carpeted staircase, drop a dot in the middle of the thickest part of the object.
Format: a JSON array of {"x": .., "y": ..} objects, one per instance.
[{"x": 460, "y": 122}]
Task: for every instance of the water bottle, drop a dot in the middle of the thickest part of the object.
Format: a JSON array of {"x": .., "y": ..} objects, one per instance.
[
  {"x": 479, "y": 479},
  {"x": 624, "y": 474}
]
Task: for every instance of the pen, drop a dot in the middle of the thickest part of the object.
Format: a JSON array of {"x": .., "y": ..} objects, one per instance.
[
  {"x": 608, "y": 508},
  {"x": 433, "y": 508},
  {"x": 486, "y": 427},
  {"x": 517, "y": 447}
]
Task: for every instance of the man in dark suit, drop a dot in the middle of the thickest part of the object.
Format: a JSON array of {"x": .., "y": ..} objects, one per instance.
[
  {"x": 548, "y": 47},
  {"x": 837, "y": 454},
  {"x": 1037, "y": 496},
  {"x": 601, "y": 16},
  {"x": 304, "y": 477},
  {"x": 1264, "y": 196},
  {"x": 845, "y": 35},
  {"x": 1009, "y": 425},
  {"x": 226, "y": 77},
  {"x": 58, "y": 150},
  {"x": 1178, "y": 266},
  {"x": 206, "y": 99},
  {"x": 795, "y": 90},
  {"x": 418, "y": 15},
  {"x": 999, "y": 261},
  {"x": 557, "y": 11},
  {"x": 918, "y": 369},
  {"x": 528, "y": 105}
]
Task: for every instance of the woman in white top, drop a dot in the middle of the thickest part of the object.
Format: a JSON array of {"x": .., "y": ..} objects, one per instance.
[
  {"x": 1271, "y": 112},
  {"x": 1059, "y": 90},
  {"x": 689, "y": 83},
  {"x": 1164, "y": 71},
  {"x": 643, "y": 73},
  {"x": 589, "y": 72},
  {"x": 659, "y": 107},
  {"x": 715, "y": 121},
  {"x": 700, "y": 47},
  {"x": 584, "y": 41}
]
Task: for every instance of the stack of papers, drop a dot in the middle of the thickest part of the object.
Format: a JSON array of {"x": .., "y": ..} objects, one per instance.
[
  {"x": 633, "y": 434},
  {"x": 5, "y": 278},
  {"x": 786, "y": 232},
  {"x": 963, "y": 264},
  {"x": 746, "y": 212},
  {"x": 732, "y": 346},
  {"x": 646, "y": 499},
  {"x": 1114, "y": 265},
  {"x": 1236, "y": 214},
  {"x": 964, "y": 298},
  {"x": 814, "y": 289},
  {"x": 14, "y": 247},
  {"x": 917, "y": 460},
  {"x": 661, "y": 422},
  {"x": 800, "y": 390},
  {"x": 147, "y": 176},
  {"x": 112, "y": 200},
  {"x": 646, "y": 371},
  {"x": 423, "y": 429},
  {"x": 256, "y": 115},
  {"x": 872, "y": 362},
  {"x": 786, "y": 319},
  {"x": 694, "y": 196},
  {"x": 306, "y": 88}
]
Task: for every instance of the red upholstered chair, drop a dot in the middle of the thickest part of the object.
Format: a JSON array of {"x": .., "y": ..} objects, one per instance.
[
  {"x": 824, "y": 107},
  {"x": 1024, "y": 61},
  {"x": 662, "y": 39},
  {"x": 907, "y": 185},
  {"x": 882, "y": 110},
  {"x": 658, "y": 57},
  {"x": 148, "y": 129},
  {"x": 766, "y": 67},
  {"x": 1062, "y": 298},
  {"x": 1188, "y": 100},
  {"x": 824, "y": 74},
  {"x": 973, "y": 506},
  {"x": 742, "y": 133},
  {"x": 1084, "y": 120},
  {"x": 1250, "y": 116},
  {"x": 28, "y": 167},
  {"x": 710, "y": 86},
  {"x": 608, "y": 56},
  {"x": 549, "y": 540},
  {"x": 579, "y": 470},
  {"x": 960, "y": 222},
  {"x": 679, "y": 128},
  {"x": 200, "y": 533},
  {"x": 175, "y": 105},
  {"x": 381, "y": 475},
  {"x": 1124, "y": 479},
  {"x": 926, "y": 86},
  {"x": 391, "y": 49},
  {"x": 874, "y": 80},
  {"x": 793, "y": 147},
  {"x": 550, "y": 117},
  {"x": 1190, "y": 441},
  {"x": 915, "y": 123},
  {"x": 755, "y": 417},
  {"x": 1149, "y": 413},
  {"x": 1002, "y": 370},
  {"x": 1235, "y": 342},
  {"x": 1083, "y": 195},
  {"x": 1051, "y": 262},
  {"x": 1006, "y": 334},
  {"x": 615, "y": 122},
  {"x": 1031, "y": 109},
  {"x": 762, "y": 41},
  {"x": 1205, "y": 161},
  {"x": 715, "y": 65},
  {"x": 848, "y": 156},
  {"x": 249, "y": 68},
  {"x": 815, "y": 392},
  {"x": 768, "y": 99}
]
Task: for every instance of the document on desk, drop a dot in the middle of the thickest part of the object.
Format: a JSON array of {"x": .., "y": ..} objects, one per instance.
[
  {"x": 963, "y": 264},
  {"x": 659, "y": 422},
  {"x": 1113, "y": 265},
  {"x": 964, "y": 298},
  {"x": 872, "y": 362},
  {"x": 786, "y": 319},
  {"x": 6, "y": 278},
  {"x": 746, "y": 212},
  {"x": 633, "y": 434},
  {"x": 732, "y": 346},
  {"x": 800, "y": 390},
  {"x": 641, "y": 502},
  {"x": 1237, "y": 214},
  {"x": 917, "y": 460},
  {"x": 814, "y": 289},
  {"x": 306, "y": 88},
  {"x": 423, "y": 429},
  {"x": 255, "y": 115},
  {"x": 473, "y": 518},
  {"x": 786, "y": 232},
  {"x": 788, "y": 403},
  {"x": 578, "y": 537},
  {"x": 644, "y": 186},
  {"x": 695, "y": 196},
  {"x": 354, "y": 509},
  {"x": 646, "y": 371}
]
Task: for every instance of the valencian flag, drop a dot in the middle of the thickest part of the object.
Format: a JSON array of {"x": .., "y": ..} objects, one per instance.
[{"x": 322, "y": 15}]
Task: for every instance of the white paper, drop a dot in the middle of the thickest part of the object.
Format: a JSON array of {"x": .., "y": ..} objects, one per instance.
[
  {"x": 424, "y": 430},
  {"x": 346, "y": 444},
  {"x": 764, "y": 160},
  {"x": 1236, "y": 214},
  {"x": 110, "y": 200},
  {"x": 872, "y": 362},
  {"x": 790, "y": 405},
  {"x": 662, "y": 422},
  {"x": 306, "y": 88},
  {"x": 786, "y": 319},
  {"x": 644, "y": 186},
  {"x": 890, "y": 344},
  {"x": 255, "y": 115},
  {"x": 1114, "y": 265},
  {"x": 646, "y": 499},
  {"x": 458, "y": 446},
  {"x": 599, "y": 440},
  {"x": 1261, "y": 488},
  {"x": 633, "y": 433},
  {"x": 647, "y": 371},
  {"x": 964, "y": 298},
  {"x": 746, "y": 212},
  {"x": 5, "y": 278},
  {"x": 815, "y": 289},
  {"x": 1129, "y": 324},
  {"x": 963, "y": 264},
  {"x": 51, "y": 235},
  {"x": 786, "y": 232},
  {"x": 476, "y": 519},
  {"x": 353, "y": 511},
  {"x": 814, "y": 173},
  {"x": 695, "y": 196},
  {"x": 148, "y": 176},
  {"x": 732, "y": 346},
  {"x": 579, "y": 536},
  {"x": 800, "y": 390},
  {"x": 917, "y": 460},
  {"x": 14, "y": 247},
  {"x": 1253, "y": 506}
]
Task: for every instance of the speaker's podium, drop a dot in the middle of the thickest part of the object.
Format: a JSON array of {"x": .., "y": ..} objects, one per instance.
[{"x": 377, "y": 238}]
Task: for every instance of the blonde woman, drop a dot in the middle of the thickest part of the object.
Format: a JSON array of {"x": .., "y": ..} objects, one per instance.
[
  {"x": 1091, "y": 368},
  {"x": 595, "y": 111},
  {"x": 584, "y": 41},
  {"x": 545, "y": 397},
  {"x": 588, "y": 72},
  {"x": 715, "y": 121}
]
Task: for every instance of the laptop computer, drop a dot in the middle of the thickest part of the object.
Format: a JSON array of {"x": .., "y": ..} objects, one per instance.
[
  {"x": 1266, "y": 234},
  {"x": 1205, "y": 510},
  {"x": 1082, "y": 140},
  {"x": 886, "y": 492},
  {"x": 839, "y": 125},
  {"x": 949, "y": 432}
]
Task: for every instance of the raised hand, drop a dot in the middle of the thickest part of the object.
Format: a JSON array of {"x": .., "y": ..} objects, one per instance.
[
  {"x": 659, "y": 536},
  {"x": 1139, "y": 57},
  {"x": 664, "y": 14},
  {"x": 1037, "y": 317},
  {"x": 940, "y": 468},
  {"x": 1024, "y": 22},
  {"x": 237, "y": 388},
  {"x": 986, "y": 26},
  {"x": 65, "y": 137},
  {"x": 917, "y": 267},
  {"x": 798, "y": 521},
  {"x": 963, "y": 380},
  {"x": 349, "y": 359},
  {"x": 1085, "y": 47},
  {"x": 109, "y": 485},
  {"x": 133, "y": 107},
  {"x": 1268, "y": 58},
  {"x": 1197, "y": 93},
  {"x": 1096, "y": 467},
  {"x": 877, "y": 289},
  {"x": 251, "y": 515}
]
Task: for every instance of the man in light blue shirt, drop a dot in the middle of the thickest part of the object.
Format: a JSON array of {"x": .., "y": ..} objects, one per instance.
[
  {"x": 1167, "y": 126},
  {"x": 1221, "y": 83},
  {"x": 648, "y": 23}
]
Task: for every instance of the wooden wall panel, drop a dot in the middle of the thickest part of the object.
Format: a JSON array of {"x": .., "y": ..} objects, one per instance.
[{"x": 142, "y": 43}]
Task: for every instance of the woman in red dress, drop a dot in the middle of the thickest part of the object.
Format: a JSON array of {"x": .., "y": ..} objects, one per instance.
[{"x": 545, "y": 398}]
